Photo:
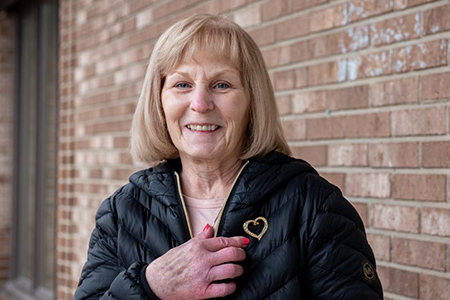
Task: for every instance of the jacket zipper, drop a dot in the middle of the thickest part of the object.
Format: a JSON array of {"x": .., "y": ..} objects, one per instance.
[
  {"x": 228, "y": 196},
  {"x": 223, "y": 206},
  {"x": 182, "y": 202}
]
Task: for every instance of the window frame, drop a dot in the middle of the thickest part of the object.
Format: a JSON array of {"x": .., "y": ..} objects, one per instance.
[{"x": 20, "y": 287}]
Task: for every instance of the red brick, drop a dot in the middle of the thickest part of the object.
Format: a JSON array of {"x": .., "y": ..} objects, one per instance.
[
  {"x": 338, "y": 179},
  {"x": 361, "y": 208},
  {"x": 248, "y": 16},
  {"x": 394, "y": 92},
  {"x": 395, "y": 30},
  {"x": 315, "y": 155},
  {"x": 318, "y": 47},
  {"x": 307, "y": 49},
  {"x": 325, "y": 128},
  {"x": 327, "y": 18},
  {"x": 436, "y": 19},
  {"x": 326, "y": 73},
  {"x": 433, "y": 287},
  {"x": 108, "y": 126},
  {"x": 275, "y": 8},
  {"x": 375, "y": 185},
  {"x": 300, "y": 51},
  {"x": 419, "y": 187},
  {"x": 302, "y": 4},
  {"x": 436, "y": 154},
  {"x": 369, "y": 65},
  {"x": 231, "y": 4},
  {"x": 348, "y": 98},
  {"x": 284, "y": 80},
  {"x": 404, "y": 283},
  {"x": 347, "y": 155},
  {"x": 363, "y": 9},
  {"x": 428, "y": 255},
  {"x": 170, "y": 7},
  {"x": 129, "y": 25},
  {"x": 301, "y": 77},
  {"x": 349, "y": 40},
  {"x": 294, "y": 27},
  {"x": 402, "y": 4},
  {"x": 104, "y": 112},
  {"x": 394, "y": 217},
  {"x": 264, "y": 35},
  {"x": 205, "y": 7},
  {"x": 435, "y": 221},
  {"x": 277, "y": 56},
  {"x": 427, "y": 121},
  {"x": 294, "y": 130},
  {"x": 368, "y": 125},
  {"x": 290, "y": 79},
  {"x": 394, "y": 155},
  {"x": 435, "y": 86},
  {"x": 284, "y": 104},
  {"x": 309, "y": 102},
  {"x": 381, "y": 246},
  {"x": 420, "y": 56}
]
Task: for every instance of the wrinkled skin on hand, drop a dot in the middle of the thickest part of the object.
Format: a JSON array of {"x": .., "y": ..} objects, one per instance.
[{"x": 189, "y": 271}]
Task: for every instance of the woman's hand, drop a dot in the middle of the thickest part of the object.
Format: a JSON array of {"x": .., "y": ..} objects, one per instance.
[{"x": 189, "y": 271}]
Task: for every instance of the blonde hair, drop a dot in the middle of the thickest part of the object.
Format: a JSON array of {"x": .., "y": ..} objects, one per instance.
[{"x": 150, "y": 140}]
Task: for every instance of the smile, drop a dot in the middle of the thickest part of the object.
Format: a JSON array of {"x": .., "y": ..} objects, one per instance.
[{"x": 202, "y": 127}]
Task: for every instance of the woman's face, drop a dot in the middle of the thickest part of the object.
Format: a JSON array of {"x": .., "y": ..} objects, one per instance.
[{"x": 206, "y": 109}]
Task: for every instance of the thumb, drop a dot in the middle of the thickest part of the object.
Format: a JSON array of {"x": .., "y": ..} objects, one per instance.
[{"x": 208, "y": 232}]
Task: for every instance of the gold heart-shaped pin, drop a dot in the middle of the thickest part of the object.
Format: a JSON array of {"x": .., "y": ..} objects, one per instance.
[{"x": 255, "y": 223}]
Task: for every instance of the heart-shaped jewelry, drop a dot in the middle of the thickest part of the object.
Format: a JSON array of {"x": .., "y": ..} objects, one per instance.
[{"x": 255, "y": 222}]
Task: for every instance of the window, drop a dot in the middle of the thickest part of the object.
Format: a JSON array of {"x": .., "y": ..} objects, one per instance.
[{"x": 34, "y": 202}]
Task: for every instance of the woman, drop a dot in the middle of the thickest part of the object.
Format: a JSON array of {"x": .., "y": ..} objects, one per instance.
[{"x": 227, "y": 212}]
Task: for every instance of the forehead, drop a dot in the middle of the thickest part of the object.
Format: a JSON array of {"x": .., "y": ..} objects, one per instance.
[
  {"x": 208, "y": 65},
  {"x": 205, "y": 63}
]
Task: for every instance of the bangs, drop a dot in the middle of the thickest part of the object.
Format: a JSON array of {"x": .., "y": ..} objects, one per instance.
[
  {"x": 217, "y": 44},
  {"x": 216, "y": 39}
]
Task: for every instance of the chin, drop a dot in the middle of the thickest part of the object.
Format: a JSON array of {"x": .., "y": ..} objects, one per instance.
[{"x": 203, "y": 155}]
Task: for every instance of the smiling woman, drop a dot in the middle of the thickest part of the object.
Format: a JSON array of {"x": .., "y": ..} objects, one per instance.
[
  {"x": 224, "y": 211},
  {"x": 206, "y": 110},
  {"x": 192, "y": 42}
]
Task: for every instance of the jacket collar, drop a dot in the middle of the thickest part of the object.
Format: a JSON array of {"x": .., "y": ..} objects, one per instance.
[
  {"x": 261, "y": 175},
  {"x": 260, "y": 178}
]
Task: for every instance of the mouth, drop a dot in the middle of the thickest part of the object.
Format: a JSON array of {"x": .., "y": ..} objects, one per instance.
[{"x": 204, "y": 128}]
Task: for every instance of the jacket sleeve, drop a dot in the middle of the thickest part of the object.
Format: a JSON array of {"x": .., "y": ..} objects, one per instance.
[
  {"x": 341, "y": 264},
  {"x": 102, "y": 276}
]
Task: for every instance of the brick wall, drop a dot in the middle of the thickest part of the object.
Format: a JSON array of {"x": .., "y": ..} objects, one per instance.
[
  {"x": 363, "y": 92},
  {"x": 6, "y": 119}
]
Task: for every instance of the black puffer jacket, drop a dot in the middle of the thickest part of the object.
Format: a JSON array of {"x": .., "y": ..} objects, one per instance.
[{"x": 315, "y": 246}]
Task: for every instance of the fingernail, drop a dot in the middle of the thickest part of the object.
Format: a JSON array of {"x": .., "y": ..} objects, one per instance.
[
  {"x": 245, "y": 241},
  {"x": 206, "y": 227}
]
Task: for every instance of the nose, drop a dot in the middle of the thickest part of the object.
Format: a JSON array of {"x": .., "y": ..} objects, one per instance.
[{"x": 201, "y": 101}]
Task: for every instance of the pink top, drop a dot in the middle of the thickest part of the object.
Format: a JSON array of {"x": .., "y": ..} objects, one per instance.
[{"x": 202, "y": 212}]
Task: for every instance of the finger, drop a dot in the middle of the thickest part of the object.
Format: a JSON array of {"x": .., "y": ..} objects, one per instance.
[
  {"x": 225, "y": 271},
  {"x": 208, "y": 232},
  {"x": 215, "y": 244},
  {"x": 229, "y": 254},
  {"x": 215, "y": 290}
]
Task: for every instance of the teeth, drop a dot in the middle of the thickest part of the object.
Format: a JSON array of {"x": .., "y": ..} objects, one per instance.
[{"x": 202, "y": 128}]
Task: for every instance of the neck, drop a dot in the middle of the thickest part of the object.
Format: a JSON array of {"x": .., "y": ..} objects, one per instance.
[{"x": 208, "y": 180}]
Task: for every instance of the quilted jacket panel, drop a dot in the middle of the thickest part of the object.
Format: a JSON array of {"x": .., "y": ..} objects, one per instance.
[{"x": 315, "y": 246}]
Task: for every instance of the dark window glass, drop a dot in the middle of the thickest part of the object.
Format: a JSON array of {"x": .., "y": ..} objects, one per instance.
[{"x": 34, "y": 225}]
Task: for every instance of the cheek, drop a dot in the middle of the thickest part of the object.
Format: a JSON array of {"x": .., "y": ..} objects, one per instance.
[{"x": 171, "y": 110}]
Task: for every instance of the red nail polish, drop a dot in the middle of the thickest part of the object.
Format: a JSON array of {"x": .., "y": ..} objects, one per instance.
[
  {"x": 245, "y": 241},
  {"x": 206, "y": 227}
]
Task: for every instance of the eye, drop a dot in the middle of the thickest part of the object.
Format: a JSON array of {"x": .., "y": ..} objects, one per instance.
[
  {"x": 222, "y": 85},
  {"x": 183, "y": 85}
]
